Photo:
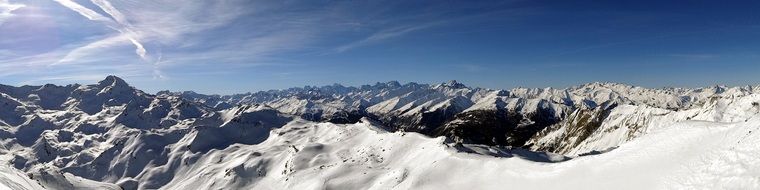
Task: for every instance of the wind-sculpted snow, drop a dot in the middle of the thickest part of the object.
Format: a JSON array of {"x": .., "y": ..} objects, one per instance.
[{"x": 110, "y": 135}]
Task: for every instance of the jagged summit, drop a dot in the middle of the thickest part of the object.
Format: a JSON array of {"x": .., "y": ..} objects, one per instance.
[
  {"x": 389, "y": 84},
  {"x": 112, "y": 80},
  {"x": 452, "y": 84}
]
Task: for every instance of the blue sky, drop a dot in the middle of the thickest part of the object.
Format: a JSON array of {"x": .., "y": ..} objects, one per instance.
[{"x": 238, "y": 46}]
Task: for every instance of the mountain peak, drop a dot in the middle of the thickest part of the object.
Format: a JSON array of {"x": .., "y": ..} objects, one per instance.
[
  {"x": 453, "y": 84},
  {"x": 393, "y": 83},
  {"x": 112, "y": 80}
]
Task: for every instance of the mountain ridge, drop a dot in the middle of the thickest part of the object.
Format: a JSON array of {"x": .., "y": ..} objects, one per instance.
[
  {"x": 446, "y": 109},
  {"x": 112, "y": 135}
]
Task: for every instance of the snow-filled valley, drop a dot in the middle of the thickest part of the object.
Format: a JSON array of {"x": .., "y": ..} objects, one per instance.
[{"x": 110, "y": 135}]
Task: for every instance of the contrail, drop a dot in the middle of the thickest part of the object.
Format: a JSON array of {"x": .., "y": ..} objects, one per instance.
[
  {"x": 84, "y": 11},
  {"x": 108, "y": 8},
  {"x": 118, "y": 23},
  {"x": 122, "y": 20}
]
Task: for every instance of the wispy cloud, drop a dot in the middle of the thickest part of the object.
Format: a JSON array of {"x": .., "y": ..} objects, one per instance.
[
  {"x": 119, "y": 23},
  {"x": 100, "y": 45},
  {"x": 7, "y": 8},
  {"x": 126, "y": 28},
  {"x": 170, "y": 34},
  {"x": 167, "y": 37},
  {"x": 149, "y": 22},
  {"x": 84, "y": 11},
  {"x": 387, "y": 24},
  {"x": 112, "y": 11},
  {"x": 385, "y": 34}
]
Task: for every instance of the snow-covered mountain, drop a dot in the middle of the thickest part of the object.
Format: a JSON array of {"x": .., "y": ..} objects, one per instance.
[
  {"x": 521, "y": 117},
  {"x": 110, "y": 135}
]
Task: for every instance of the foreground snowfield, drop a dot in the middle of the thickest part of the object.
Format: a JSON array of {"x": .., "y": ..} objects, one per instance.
[
  {"x": 308, "y": 155},
  {"x": 687, "y": 155},
  {"x": 14, "y": 179}
]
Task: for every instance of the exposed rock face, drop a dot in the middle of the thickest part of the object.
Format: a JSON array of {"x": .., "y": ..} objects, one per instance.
[
  {"x": 498, "y": 127},
  {"x": 576, "y": 128}
]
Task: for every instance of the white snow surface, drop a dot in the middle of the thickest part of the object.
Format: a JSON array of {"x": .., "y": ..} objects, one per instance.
[
  {"x": 627, "y": 122},
  {"x": 701, "y": 155},
  {"x": 111, "y": 136},
  {"x": 308, "y": 155}
]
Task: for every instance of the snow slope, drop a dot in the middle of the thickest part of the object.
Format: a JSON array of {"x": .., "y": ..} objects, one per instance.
[
  {"x": 306, "y": 155},
  {"x": 601, "y": 129},
  {"x": 10, "y": 178},
  {"x": 601, "y": 136}
]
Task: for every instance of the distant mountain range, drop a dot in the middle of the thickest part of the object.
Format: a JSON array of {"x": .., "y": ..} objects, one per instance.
[
  {"x": 483, "y": 116},
  {"x": 110, "y": 135}
]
